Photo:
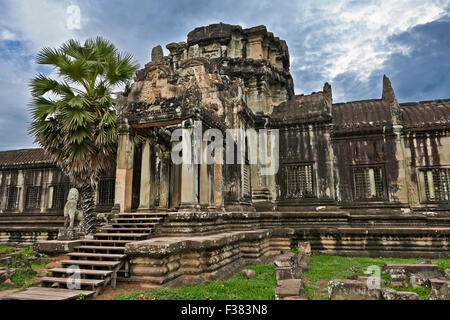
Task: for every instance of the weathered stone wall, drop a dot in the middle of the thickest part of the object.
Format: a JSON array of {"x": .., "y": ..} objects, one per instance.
[
  {"x": 340, "y": 233},
  {"x": 11, "y": 237},
  {"x": 309, "y": 145},
  {"x": 425, "y": 150},
  {"x": 351, "y": 151},
  {"x": 24, "y": 225}
]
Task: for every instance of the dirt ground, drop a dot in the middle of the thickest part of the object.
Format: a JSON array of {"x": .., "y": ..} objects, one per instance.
[
  {"x": 122, "y": 287},
  {"x": 5, "y": 293}
]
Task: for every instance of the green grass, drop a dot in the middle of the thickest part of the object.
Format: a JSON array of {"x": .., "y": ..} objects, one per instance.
[
  {"x": 442, "y": 263},
  {"x": 324, "y": 268},
  {"x": 423, "y": 292},
  {"x": 22, "y": 279},
  {"x": 261, "y": 287}
]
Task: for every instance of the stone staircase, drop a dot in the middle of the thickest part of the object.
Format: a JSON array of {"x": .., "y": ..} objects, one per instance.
[{"x": 97, "y": 262}]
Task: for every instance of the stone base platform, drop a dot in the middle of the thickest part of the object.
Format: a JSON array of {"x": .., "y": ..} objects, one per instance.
[
  {"x": 329, "y": 232},
  {"x": 179, "y": 261},
  {"x": 395, "y": 242}
]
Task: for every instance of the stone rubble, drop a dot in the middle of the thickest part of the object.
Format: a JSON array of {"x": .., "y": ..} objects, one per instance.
[
  {"x": 346, "y": 289},
  {"x": 418, "y": 280},
  {"x": 425, "y": 268},
  {"x": 247, "y": 273},
  {"x": 440, "y": 289},
  {"x": 289, "y": 272},
  {"x": 391, "y": 294},
  {"x": 416, "y": 275},
  {"x": 290, "y": 288}
]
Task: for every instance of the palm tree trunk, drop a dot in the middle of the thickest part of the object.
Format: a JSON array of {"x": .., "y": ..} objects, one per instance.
[{"x": 87, "y": 206}]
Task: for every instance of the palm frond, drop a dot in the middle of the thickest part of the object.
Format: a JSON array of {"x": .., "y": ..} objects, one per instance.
[{"x": 73, "y": 119}]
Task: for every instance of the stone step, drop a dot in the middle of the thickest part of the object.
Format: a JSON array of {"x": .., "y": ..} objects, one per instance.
[
  {"x": 68, "y": 271},
  {"x": 118, "y": 243},
  {"x": 96, "y": 255},
  {"x": 151, "y": 214},
  {"x": 33, "y": 221},
  {"x": 134, "y": 219},
  {"x": 100, "y": 248},
  {"x": 43, "y": 293},
  {"x": 83, "y": 282},
  {"x": 138, "y": 230},
  {"x": 92, "y": 263},
  {"x": 112, "y": 236},
  {"x": 136, "y": 224},
  {"x": 35, "y": 228}
]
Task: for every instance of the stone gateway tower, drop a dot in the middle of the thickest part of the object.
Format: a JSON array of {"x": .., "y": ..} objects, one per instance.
[
  {"x": 362, "y": 178},
  {"x": 224, "y": 77},
  {"x": 374, "y": 156}
]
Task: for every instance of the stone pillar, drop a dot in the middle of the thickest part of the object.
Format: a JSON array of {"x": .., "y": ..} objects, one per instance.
[
  {"x": 44, "y": 189},
  {"x": 21, "y": 185},
  {"x": 154, "y": 175},
  {"x": 124, "y": 170},
  {"x": 218, "y": 179},
  {"x": 212, "y": 205},
  {"x": 144, "y": 198},
  {"x": 402, "y": 194},
  {"x": 164, "y": 180},
  {"x": 175, "y": 186},
  {"x": 49, "y": 201},
  {"x": 204, "y": 179},
  {"x": 189, "y": 174}
]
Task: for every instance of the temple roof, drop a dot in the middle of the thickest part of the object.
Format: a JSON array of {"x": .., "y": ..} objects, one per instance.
[
  {"x": 426, "y": 114},
  {"x": 365, "y": 113},
  {"x": 314, "y": 107},
  {"x": 13, "y": 158}
]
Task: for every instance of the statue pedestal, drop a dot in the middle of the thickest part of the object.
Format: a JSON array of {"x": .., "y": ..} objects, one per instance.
[{"x": 70, "y": 234}]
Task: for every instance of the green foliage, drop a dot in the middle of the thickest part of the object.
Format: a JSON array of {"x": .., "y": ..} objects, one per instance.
[
  {"x": 294, "y": 250},
  {"x": 323, "y": 268},
  {"x": 81, "y": 297},
  {"x": 262, "y": 287},
  {"x": 73, "y": 116},
  {"x": 442, "y": 263},
  {"x": 423, "y": 292},
  {"x": 126, "y": 91},
  {"x": 23, "y": 279},
  {"x": 5, "y": 248}
]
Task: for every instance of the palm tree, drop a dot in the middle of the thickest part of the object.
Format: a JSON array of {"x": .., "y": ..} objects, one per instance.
[{"x": 73, "y": 114}]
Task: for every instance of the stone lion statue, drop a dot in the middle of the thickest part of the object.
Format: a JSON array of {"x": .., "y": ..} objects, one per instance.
[{"x": 71, "y": 213}]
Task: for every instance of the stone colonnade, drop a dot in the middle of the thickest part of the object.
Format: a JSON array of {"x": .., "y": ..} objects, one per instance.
[{"x": 165, "y": 185}]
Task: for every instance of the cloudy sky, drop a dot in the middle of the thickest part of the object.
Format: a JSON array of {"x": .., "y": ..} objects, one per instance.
[{"x": 349, "y": 44}]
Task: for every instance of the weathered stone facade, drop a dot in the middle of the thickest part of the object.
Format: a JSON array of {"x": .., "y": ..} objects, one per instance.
[
  {"x": 377, "y": 154},
  {"x": 365, "y": 178},
  {"x": 33, "y": 192}
]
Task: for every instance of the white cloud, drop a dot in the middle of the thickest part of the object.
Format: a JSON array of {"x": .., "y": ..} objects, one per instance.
[
  {"x": 356, "y": 34},
  {"x": 5, "y": 34},
  {"x": 42, "y": 23},
  {"x": 327, "y": 38}
]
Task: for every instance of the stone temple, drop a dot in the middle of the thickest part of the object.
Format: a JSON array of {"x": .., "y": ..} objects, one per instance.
[{"x": 367, "y": 177}]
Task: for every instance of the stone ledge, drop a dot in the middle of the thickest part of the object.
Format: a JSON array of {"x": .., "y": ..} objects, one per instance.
[
  {"x": 56, "y": 247},
  {"x": 163, "y": 246},
  {"x": 179, "y": 261}
]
